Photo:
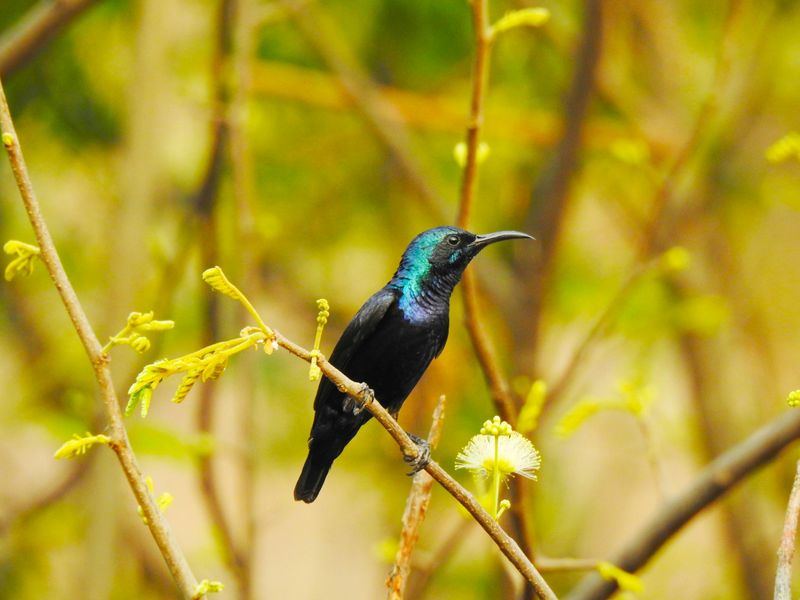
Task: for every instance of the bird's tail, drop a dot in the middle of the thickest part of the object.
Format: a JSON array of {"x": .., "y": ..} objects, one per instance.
[{"x": 313, "y": 476}]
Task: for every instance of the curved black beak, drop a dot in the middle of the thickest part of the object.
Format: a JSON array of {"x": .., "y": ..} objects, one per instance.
[{"x": 481, "y": 241}]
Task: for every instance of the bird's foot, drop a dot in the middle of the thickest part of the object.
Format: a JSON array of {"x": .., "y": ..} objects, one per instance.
[
  {"x": 356, "y": 405},
  {"x": 423, "y": 457}
]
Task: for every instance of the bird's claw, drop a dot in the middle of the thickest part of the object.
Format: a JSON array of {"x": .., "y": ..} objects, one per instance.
[
  {"x": 356, "y": 405},
  {"x": 423, "y": 457}
]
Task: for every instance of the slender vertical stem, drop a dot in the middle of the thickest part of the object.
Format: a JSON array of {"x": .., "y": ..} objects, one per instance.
[
  {"x": 498, "y": 386},
  {"x": 159, "y": 528},
  {"x": 496, "y": 476},
  {"x": 480, "y": 77},
  {"x": 414, "y": 514},
  {"x": 783, "y": 577}
]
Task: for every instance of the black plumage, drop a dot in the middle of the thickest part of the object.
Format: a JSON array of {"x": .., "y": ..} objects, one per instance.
[{"x": 390, "y": 342}]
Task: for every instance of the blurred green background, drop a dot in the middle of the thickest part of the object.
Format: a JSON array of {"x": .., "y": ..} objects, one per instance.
[{"x": 300, "y": 146}]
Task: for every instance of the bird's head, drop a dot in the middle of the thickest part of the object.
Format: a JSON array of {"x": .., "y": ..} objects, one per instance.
[{"x": 447, "y": 251}]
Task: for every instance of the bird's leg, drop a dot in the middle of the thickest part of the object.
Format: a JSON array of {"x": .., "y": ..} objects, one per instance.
[
  {"x": 356, "y": 405},
  {"x": 423, "y": 457}
]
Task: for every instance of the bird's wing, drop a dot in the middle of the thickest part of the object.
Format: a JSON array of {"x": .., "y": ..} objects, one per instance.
[{"x": 363, "y": 325}]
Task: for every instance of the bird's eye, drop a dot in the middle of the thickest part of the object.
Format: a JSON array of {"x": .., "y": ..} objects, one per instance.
[{"x": 453, "y": 240}]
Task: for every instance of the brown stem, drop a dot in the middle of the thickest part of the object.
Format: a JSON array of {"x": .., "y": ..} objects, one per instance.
[
  {"x": 482, "y": 345},
  {"x": 414, "y": 514},
  {"x": 159, "y": 528},
  {"x": 562, "y": 565},
  {"x": 783, "y": 576},
  {"x": 480, "y": 78},
  {"x": 358, "y": 391},
  {"x": 716, "y": 479},
  {"x": 22, "y": 42}
]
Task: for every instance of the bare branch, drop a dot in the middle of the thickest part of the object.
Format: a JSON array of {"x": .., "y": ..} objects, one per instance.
[
  {"x": 783, "y": 577},
  {"x": 356, "y": 390},
  {"x": 159, "y": 528},
  {"x": 416, "y": 507},
  {"x": 716, "y": 479},
  {"x": 35, "y": 29}
]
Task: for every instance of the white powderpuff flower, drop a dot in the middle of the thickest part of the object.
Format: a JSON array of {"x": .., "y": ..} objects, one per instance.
[{"x": 516, "y": 455}]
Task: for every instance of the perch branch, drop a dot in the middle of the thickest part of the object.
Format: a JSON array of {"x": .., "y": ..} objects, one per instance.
[
  {"x": 504, "y": 542},
  {"x": 159, "y": 528}
]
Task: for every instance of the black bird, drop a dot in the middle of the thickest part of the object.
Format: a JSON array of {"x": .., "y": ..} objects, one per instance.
[{"x": 390, "y": 343}]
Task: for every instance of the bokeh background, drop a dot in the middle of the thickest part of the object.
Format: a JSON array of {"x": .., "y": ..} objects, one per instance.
[{"x": 300, "y": 146}]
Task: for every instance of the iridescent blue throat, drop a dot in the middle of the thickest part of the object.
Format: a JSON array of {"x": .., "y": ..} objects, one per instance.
[{"x": 423, "y": 294}]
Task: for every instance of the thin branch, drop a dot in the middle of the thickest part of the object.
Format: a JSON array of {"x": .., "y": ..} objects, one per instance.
[
  {"x": 481, "y": 343},
  {"x": 783, "y": 577},
  {"x": 499, "y": 388},
  {"x": 716, "y": 479},
  {"x": 22, "y": 42},
  {"x": 416, "y": 507},
  {"x": 159, "y": 528},
  {"x": 480, "y": 78},
  {"x": 484, "y": 351},
  {"x": 563, "y": 565},
  {"x": 358, "y": 391}
]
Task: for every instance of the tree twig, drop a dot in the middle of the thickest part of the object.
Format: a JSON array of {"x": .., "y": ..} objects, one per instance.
[
  {"x": 416, "y": 507},
  {"x": 159, "y": 528},
  {"x": 560, "y": 565},
  {"x": 504, "y": 542},
  {"x": 498, "y": 386},
  {"x": 783, "y": 576},
  {"x": 35, "y": 29},
  {"x": 720, "y": 476}
]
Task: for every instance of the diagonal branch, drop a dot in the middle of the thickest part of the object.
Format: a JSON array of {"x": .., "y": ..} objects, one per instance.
[
  {"x": 504, "y": 542},
  {"x": 159, "y": 528},
  {"x": 719, "y": 477},
  {"x": 35, "y": 30}
]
